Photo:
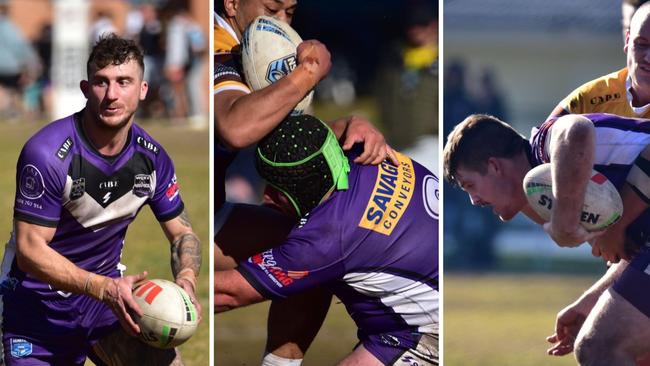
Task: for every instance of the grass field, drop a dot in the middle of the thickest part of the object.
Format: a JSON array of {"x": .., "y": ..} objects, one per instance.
[
  {"x": 240, "y": 336},
  {"x": 501, "y": 320},
  {"x": 146, "y": 247}
]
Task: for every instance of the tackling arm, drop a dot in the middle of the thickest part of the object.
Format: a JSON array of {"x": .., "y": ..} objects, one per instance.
[
  {"x": 185, "y": 254},
  {"x": 231, "y": 291},
  {"x": 354, "y": 129}
]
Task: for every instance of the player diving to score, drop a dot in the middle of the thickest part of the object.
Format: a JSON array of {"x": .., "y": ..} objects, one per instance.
[
  {"x": 488, "y": 159},
  {"x": 368, "y": 233}
]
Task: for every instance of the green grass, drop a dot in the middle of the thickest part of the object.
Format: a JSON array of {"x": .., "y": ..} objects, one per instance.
[
  {"x": 240, "y": 336},
  {"x": 500, "y": 320},
  {"x": 146, "y": 247}
]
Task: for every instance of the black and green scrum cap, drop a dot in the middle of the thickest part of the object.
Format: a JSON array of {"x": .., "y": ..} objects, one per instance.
[{"x": 302, "y": 159}]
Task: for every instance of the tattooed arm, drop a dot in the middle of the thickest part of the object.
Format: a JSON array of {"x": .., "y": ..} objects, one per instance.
[{"x": 185, "y": 253}]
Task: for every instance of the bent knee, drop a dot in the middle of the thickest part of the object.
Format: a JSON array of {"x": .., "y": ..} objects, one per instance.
[{"x": 593, "y": 350}]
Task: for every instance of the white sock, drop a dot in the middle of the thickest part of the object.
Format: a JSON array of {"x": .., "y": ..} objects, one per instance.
[{"x": 272, "y": 360}]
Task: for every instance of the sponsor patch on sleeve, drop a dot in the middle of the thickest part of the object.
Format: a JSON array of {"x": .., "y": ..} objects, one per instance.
[{"x": 172, "y": 189}]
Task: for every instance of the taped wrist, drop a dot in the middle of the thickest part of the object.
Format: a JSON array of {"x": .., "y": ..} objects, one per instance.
[
  {"x": 303, "y": 79},
  {"x": 96, "y": 285},
  {"x": 639, "y": 178},
  {"x": 188, "y": 275}
]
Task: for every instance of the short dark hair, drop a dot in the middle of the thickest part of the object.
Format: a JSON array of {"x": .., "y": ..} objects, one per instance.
[
  {"x": 477, "y": 138},
  {"x": 114, "y": 50},
  {"x": 218, "y": 7}
]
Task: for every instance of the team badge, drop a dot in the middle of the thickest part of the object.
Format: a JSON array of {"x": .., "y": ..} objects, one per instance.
[
  {"x": 78, "y": 188},
  {"x": 20, "y": 347},
  {"x": 142, "y": 185},
  {"x": 31, "y": 184}
]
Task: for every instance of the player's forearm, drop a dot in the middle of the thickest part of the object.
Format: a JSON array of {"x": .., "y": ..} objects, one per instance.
[
  {"x": 185, "y": 251},
  {"x": 572, "y": 156},
  {"x": 35, "y": 257},
  {"x": 246, "y": 119},
  {"x": 589, "y": 298},
  {"x": 232, "y": 291}
]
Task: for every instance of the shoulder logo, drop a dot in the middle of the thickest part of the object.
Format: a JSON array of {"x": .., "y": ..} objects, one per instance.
[
  {"x": 431, "y": 195},
  {"x": 64, "y": 149},
  {"x": 31, "y": 183},
  {"x": 147, "y": 144}
]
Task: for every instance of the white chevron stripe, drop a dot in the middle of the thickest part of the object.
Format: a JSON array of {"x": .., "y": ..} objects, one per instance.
[
  {"x": 416, "y": 302},
  {"x": 91, "y": 214}
]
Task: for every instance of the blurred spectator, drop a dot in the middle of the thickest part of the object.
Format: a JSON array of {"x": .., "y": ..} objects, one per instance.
[
  {"x": 150, "y": 37},
  {"x": 457, "y": 102},
  {"x": 43, "y": 86},
  {"x": 19, "y": 65},
  {"x": 488, "y": 98},
  {"x": 407, "y": 88},
  {"x": 102, "y": 25},
  {"x": 185, "y": 47}
]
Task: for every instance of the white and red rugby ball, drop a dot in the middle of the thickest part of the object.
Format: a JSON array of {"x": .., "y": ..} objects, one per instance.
[
  {"x": 169, "y": 316},
  {"x": 269, "y": 54},
  {"x": 602, "y": 206}
]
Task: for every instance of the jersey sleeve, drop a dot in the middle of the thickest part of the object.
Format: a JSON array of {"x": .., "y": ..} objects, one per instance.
[
  {"x": 166, "y": 202},
  {"x": 574, "y": 102},
  {"x": 40, "y": 181},
  {"x": 310, "y": 256},
  {"x": 227, "y": 75}
]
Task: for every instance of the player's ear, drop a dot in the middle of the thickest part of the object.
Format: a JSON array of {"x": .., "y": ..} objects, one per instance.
[
  {"x": 144, "y": 87},
  {"x": 627, "y": 39},
  {"x": 493, "y": 165},
  {"x": 84, "y": 86},
  {"x": 230, "y": 7}
]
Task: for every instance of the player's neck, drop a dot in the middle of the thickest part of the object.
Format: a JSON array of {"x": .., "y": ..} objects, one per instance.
[
  {"x": 107, "y": 141},
  {"x": 639, "y": 99}
]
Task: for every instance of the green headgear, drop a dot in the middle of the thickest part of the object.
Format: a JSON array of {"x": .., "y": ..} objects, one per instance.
[{"x": 302, "y": 159}]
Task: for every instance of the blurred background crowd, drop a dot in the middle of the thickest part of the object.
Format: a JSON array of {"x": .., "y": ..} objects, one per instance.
[{"x": 173, "y": 34}]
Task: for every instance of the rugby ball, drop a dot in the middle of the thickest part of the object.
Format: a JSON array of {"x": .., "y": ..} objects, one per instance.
[
  {"x": 169, "y": 317},
  {"x": 269, "y": 54},
  {"x": 602, "y": 206}
]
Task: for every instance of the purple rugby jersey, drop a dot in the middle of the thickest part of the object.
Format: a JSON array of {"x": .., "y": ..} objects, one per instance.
[
  {"x": 63, "y": 182},
  {"x": 619, "y": 140},
  {"x": 375, "y": 245}
]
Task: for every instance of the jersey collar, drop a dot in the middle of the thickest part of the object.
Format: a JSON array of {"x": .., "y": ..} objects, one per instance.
[
  {"x": 628, "y": 91},
  {"x": 220, "y": 22}
]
